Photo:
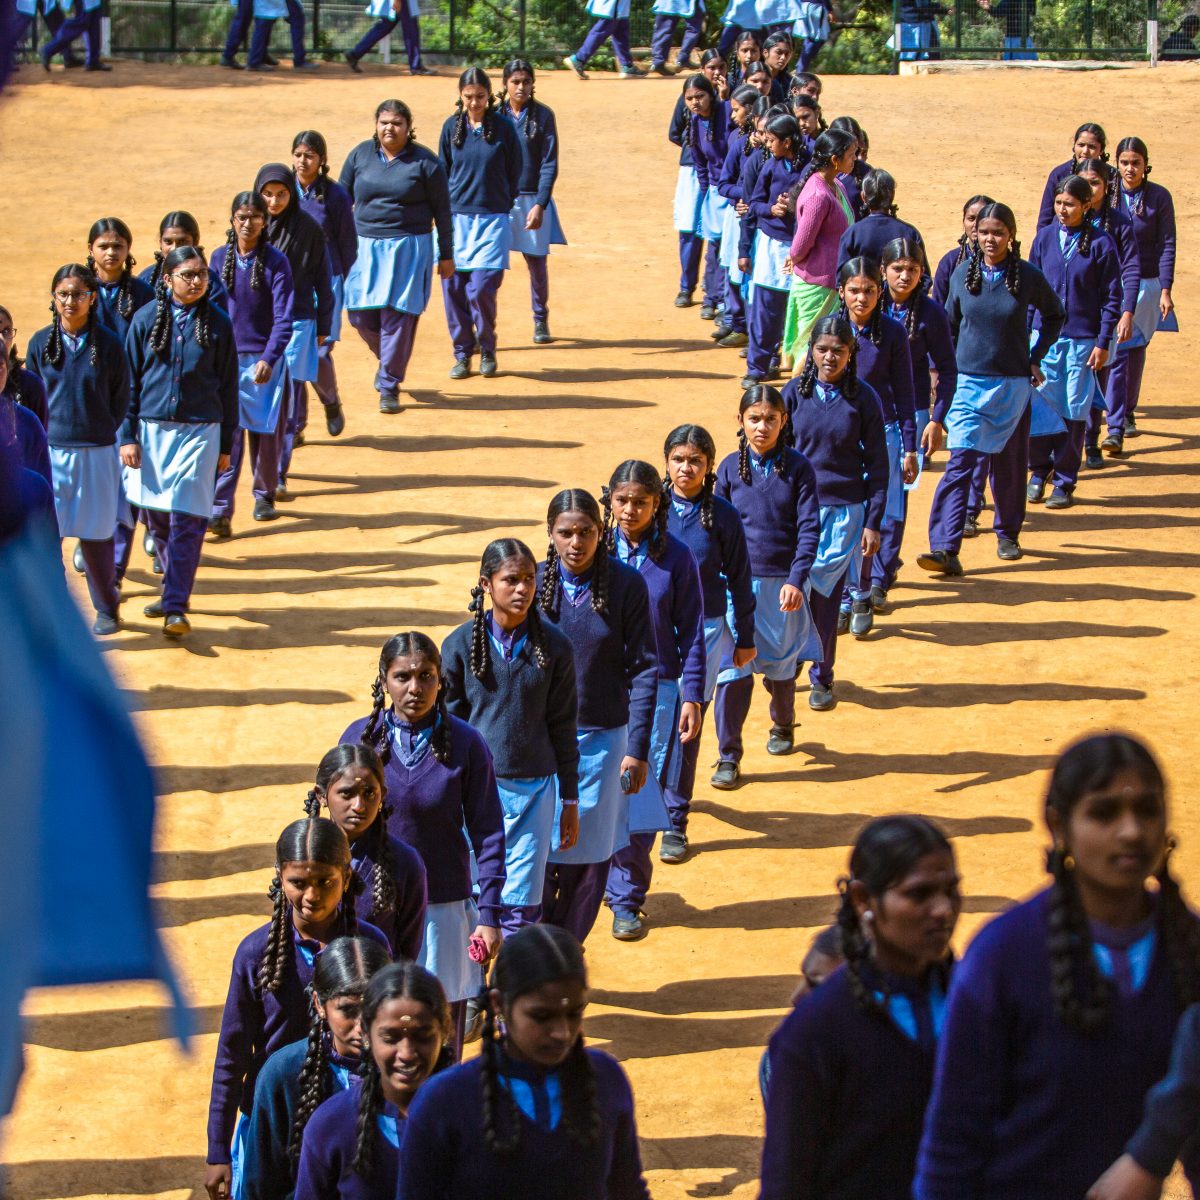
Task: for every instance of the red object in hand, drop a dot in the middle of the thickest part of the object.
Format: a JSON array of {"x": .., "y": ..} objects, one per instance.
[{"x": 477, "y": 949}]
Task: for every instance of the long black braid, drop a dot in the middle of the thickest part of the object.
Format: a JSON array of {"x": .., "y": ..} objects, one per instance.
[
  {"x": 898, "y": 250},
  {"x": 1012, "y": 264},
  {"x": 838, "y": 327},
  {"x": 864, "y": 268},
  {"x": 700, "y": 439},
  {"x": 55, "y": 345},
  {"x": 760, "y": 393},
  {"x": 124, "y": 289},
  {"x": 315, "y": 142},
  {"x": 477, "y": 77},
  {"x": 412, "y": 644},
  {"x": 633, "y": 470},
  {"x": 495, "y": 555},
  {"x": 574, "y": 500},
  {"x": 229, "y": 267},
  {"x": 160, "y": 331}
]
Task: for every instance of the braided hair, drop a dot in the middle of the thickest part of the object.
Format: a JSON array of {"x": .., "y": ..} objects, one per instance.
[
  {"x": 495, "y": 555},
  {"x": 759, "y": 393},
  {"x": 803, "y": 79},
  {"x": 698, "y": 83},
  {"x": 399, "y": 109},
  {"x": 879, "y": 192},
  {"x": 758, "y": 110},
  {"x": 406, "y": 645},
  {"x": 173, "y": 220},
  {"x": 55, "y": 349},
  {"x": 531, "y": 958},
  {"x": 885, "y": 852},
  {"x": 737, "y": 74},
  {"x": 573, "y": 500},
  {"x": 635, "y": 471},
  {"x": 898, "y": 250},
  {"x": 311, "y": 840},
  {"x": 229, "y": 268},
  {"x": 160, "y": 331},
  {"x": 754, "y": 69},
  {"x": 1098, "y": 170},
  {"x": 1078, "y": 189},
  {"x": 397, "y": 981},
  {"x": 343, "y": 968},
  {"x": 1082, "y": 994},
  {"x": 474, "y": 77},
  {"x": 837, "y": 327},
  {"x": 531, "y": 109},
  {"x": 700, "y": 439},
  {"x": 1133, "y": 145},
  {"x": 315, "y": 142},
  {"x": 1012, "y": 264},
  {"x": 829, "y": 147},
  {"x": 965, "y": 241},
  {"x": 1096, "y": 132},
  {"x": 124, "y": 290},
  {"x": 863, "y": 268}
]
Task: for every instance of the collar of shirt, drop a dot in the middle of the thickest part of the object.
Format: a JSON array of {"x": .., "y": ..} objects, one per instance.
[
  {"x": 536, "y": 1091},
  {"x": 1068, "y": 239},
  {"x": 507, "y": 641},
  {"x": 73, "y": 340},
  {"x": 628, "y": 553},
  {"x": 388, "y": 1123},
  {"x": 244, "y": 260},
  {"x": 826, "y": 392},
  {"x": 763, "y": 465},
  {"x": 991, "y": 274},
  {"x": 684, "y": 508},
  {"x": 1133, "y": 201},
  {"x": 411, "y": 741},
  {"x": 475, "y": 130},
  {"x": 575, "y": 587},
  {"x": 306, "y": 193},
  {"x": 182, "y": 313}
]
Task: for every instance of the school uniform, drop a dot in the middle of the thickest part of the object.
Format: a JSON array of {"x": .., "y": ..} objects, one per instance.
[
  {"x": 812, "y": 28},
  {"x": 616, "y": 675},
  {"x": 612, "y": 23},
  {"x": 485, "y": 180},
  {"x": 25, "y": 388},
  {"x": 84, "y": 23},
  {"x": 108, "y": 304},
  {"x": 86, "y": 404},
  {"x": 18, "y": 425},
  {"x": 989, "y": 414},
  {"x": 709, "y": 141},
  {"x": 262, "y": 329},
  {"x": 327, "y": 1152},
  {"x": 445, "y": 1155},
  {"x": 407, "y": 14},
  {"x": 396, "y": 203},
  {"x": 940, "y": 292},
  {"x": 1025, "y": 1107},
  {"x": 216, "y": 292},
  {"x": 1017, "y": 16},
  {"x": 1089, "y": 287},
  {"x": 779, "y": 513},
  {"x": 1056, "y": 176},
  {"x": 728, "y": 186},
  {"x": 868, "y": 237},
  {"x": 404, "y": 925},
  {"x": 686, "y": 211},
  {"x": 527, "y": 716},
  {"x": 677, "y": 612},
  {"x": 266, "y": 13},
  {"x": 666, "y": 13},
  {"x": 849, "y": 1088},
  {"x": 28, "y": 10},
  {"x": 183, "y": 413},
  {"x": 752, "y": 166},
  {"x": 920, "y": 38}
]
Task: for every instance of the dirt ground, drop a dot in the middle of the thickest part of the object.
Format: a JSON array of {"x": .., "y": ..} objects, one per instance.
[{"x": 954, "y": 708}]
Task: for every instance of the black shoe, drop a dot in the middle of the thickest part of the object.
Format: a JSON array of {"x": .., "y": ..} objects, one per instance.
[
  {"x": 97, "y": 66},
  {"x": 106, "y": 623},
  {"x": 352, "y": 63},
  {"x": 662, "y": 69},
  {"x": 879, "y": 599},
  {"x": 71, "y": 62},
  {"x": 820, "y": 698},
  {"x": 45, "y": 60},
  {"x": 674, "y": 848},
  {"x": 862, "y": 618},
  {"x": 971, "y": 525},
  {"x": 299, "y": 440},
  {"x": 1060, "y": 498},
  {"x": 1112, "y": 446},
  {"x": 176, "y": 625},
  {"x": 748, "y": 381},
  {"x": 156, "y": 564},
  {"x": 461, "y": 369},
  {"x": 781, "y": 740},
  {"x": 264, "y": 510},
  {"x": 708, "y": 311},
  {"x": 940, "y": 562},
  {"x": 335, "y": 420},
  {"x": 306, "y": 65},
  {"x": 270, "y": 59},
  {"x": 1093, "y": 459},
  {"x": 77, "y": 558},
  {"x": 683, "y": 299},
  {"x": 1131, "y": 429},
  {"x": 720, "y": 331},
  {"x": 541, "y": 333},
  {"x": 232, "y": 64},
  {"x": 487, "y": 365},
  {"x": 1035, "y": 491},
  {"x": 843, "y": 621},
  {"x": 633, "y": 71},
  {"x": 628, "y": 929},
  {"x": 1008, "y": 550},
  {"x": 734, "y": 338},
  {"x": 220, "y": 528},
  {"x": 261, "y": 67},
  {"x": 725, "y": 777},
  {"x": 154, "y": 609},
  {"x": 389, "y": 403},
  {"x": 421, "y": 71}
]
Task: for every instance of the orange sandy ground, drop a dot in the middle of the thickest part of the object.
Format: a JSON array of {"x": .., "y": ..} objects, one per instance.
[{"x": 955, "y": 707}]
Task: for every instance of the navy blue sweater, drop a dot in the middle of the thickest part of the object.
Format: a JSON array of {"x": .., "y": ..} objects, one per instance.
[
  {"x": 404, "y": 926},
  {"x": 327, "y": 1153},
  {"x": 485, "y": 177},
  {"x": 780, "y": 514},
  {"x": 1172, "y": 1106},
  {"x": 1056, "y": 176},
  {"x": 616, "y": 660},
  {"x": 187, "y": 382},
  {"x": 526, "y": 714},
  {"x": 85, "y": 404},
  {"x": 710, "y": 139},
  {"x": 445, "y": 1156},
  {"x": 929, "y": 345},
  {"x": 539, "y": 152},
  {"x": 262, "y": 317},
  {"x": 777, "y": 176},
  {"x": 723, "y": 560},
  {"x": 888, "y": 369},
  {"x": 1119, "y": 227},
  {"x": 844, "y": 441},
  {"x": 312, "y": 294},
  {"x": 1088, "y": 285},
  {"x": 751, "y": 169},
  {"x": 677, "y": 129},
  {"x": 330, "y": 205},
  {"x": 17, "y": 422},
  {"x": 408, "y": 194},
  {"x": 867, "y": 238},
  {"x": 729, "y": 182},
  {"x": 941, "y": 277},
  {"x": 27, "y": 389},
  {"x": 1152, "y": 212},
  {"x": 107, "y": 312}
]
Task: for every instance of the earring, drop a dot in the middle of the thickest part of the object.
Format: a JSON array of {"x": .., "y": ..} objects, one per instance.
[{"x": 868, "y": 916}]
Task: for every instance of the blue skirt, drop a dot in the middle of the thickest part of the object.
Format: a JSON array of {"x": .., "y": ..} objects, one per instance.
[
  {"x": 608, "y": 9},
  {"x": 337, "y": 285},
  {"x": 743, "y": 14},
  {"x": 985, "y": 411},
  {"x": 448, "y": 929},
  {"x": 394, "y": 273},
  {"x": 813, "y": 22},
  {"x": 783, "y": 640},
  {"x": 603, "y": 807},
  {"x": 481, "y": 241},
  {"x": 719, "y": 646},
  {"x": 179, "y": 467},
  {"x": 841, "y": 539},
  {"x": 1145, "y": 317},
  {"x": 301, "y": 352},
  {"x": 87, "y": 490},
  {"x": 676, "y": 8},
  {"x": 777, "y": 12},
  {"x": 535, "y": 242},
  {"x": 260, "y": 405},
  {"x": 648, "y": 807},
  {"x": 1070, "y": 386},
  {"x": 769, "y": 257},
  {"x": 686, "y": 209},
  {"x": 713, "y": 208},
  {"x": 896, "y": 508},
  {"x": 529, "y": 831},
  {"x": 1044, "y": 421},
  {"x": 731, "y": 231}
]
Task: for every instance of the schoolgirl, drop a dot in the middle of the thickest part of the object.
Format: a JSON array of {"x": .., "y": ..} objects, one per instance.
[
  {"x": 330, "y": 205},
  {"x": 21, "y": 386},
  {"x": 823, "y": 214},
  {"x": 990, "y": 298},
  {"x": 774, "y": 491},
  {"x": 708, "y": 135},
  {"x": 1094, "y": 972},
  {"x": 805, "y": 83},
  {"x": 603, "y": 607},
  {"x": 121, "y": 293},
  {"x": 83, "y": 367},
  {"x": 612, "y": 23},
  {"x": 755, "y": 157},
  {"x": 85, "y": 23},
  {"x": 1081, "y": 266},
  {"x": 807, "y": 112},
  {"x": 535, "y": 1115},
  {"x": 258, "y": 280},
  {"x": 731, "y": 328},
  {"x": 963, "y": 249},
  {"x": 399, "y": 191},
  {"x": 19, "y": 427},
  {"x": 178, "y": 432},
  {"x": 711, "y": 528},
  {"x": 666, "y": 13},
  {"x": 392, "y": 891},
  {"x": 389, "y": 14},
  {"x": 182, "y": 229},
  {"x": 296, "y": 1079},
  {"x": 759, "y": 77},
  {"x": 481, "y": 154},
  {"x": 267, "y": 1006},
  {"x": 851, "y": 1068},
  {"x": 439, "y": 777},
  {"x": 852, "y": 179},
  {"x": 636, "y": 534},
  {"x": 837, "y": 421},
  {"x": 747, "y": 49},
  {"x": 512, "y": 676},
  {"x": 352, "y": 1144},
  {"x": 812, "y": 28},
  {"x": 867, "y": 238},
  {"x": 1089, "y": 144},
  {"x": 777, "y": 53},
  {"x": 534, "y": 217}
]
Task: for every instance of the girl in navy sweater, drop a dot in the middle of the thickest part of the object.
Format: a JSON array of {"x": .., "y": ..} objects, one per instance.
[
  {"x": 731, "y": 329},
  {"x": 603, "y": 607},
  {"x": 267, "y": 1005},
  {"x": 177, "y": 229},
  {"x": 711, "y": 528},
  {"x": 636, "y": 535},
  {"x": 390, "y": 875},
  {"x": 851, "y": 1068},
  {"x": 300, "y": 1077},
  {"x": 258, "y": 280},
  {"x": 867, "y": 238},
  {"x": 440, "y": 781},
  {"x": 352, "y": 1144},
  {"x": 22, "y": 386},
  {"x": 534, "y": 217},
  {"x": 1088, "y": 145},
  {"x": 708, "y": 136},
  {"x": 178, "y": 432},
  {"x": 121, "y": 293},
  {"x": 1066, "y": 996},
  {"x": 1081, "y": 266},
  {"x": 774, "y": 491},
  {"x": 513, "y": 678},
  {"x": 962, "y": 250},
  {"x": 481, "y": 154},
  {"x": 83, "y": 366},
  {"x": 536, "y": 1115}
]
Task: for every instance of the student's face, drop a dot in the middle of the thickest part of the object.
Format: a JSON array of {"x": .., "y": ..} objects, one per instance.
[
  {"x": 391, "y": 128},
  {"x": 189, "y": 281},
  {"x": 343, "y": 1015},
  {"x": 777, "y": 57},
  {"x": 815, "y": 969},
  {"x": 902, "y": 276},
  {"x": 806, "y": 118},
  {"x": 757, "y": 137},
  {"x": 779, "y": 147},
  {"x": 1117, "y": 835},
  {"x": 811, "y": 88},
  {"x": 861, "y": 294},
  {"x": 314, "y": 890},
  {"x": 110, "y": 250},
  {"x": 763, "y": 423},
  {"x": 412, "y": 683},
  {"x": 1099, "y": 186},
  {"x": 3, "y": 373},
  {"x": 543, "y": 1025},
  {"x": 738, "y": 111},
  {"x": 831, "y": 355},
  {"x": 520, "y": 88},
  {"x": 248, "y": 225},
  {"x": 1068, "y": 210},
  {"x": 474, "y": 98},
  {"x": 634, "y": 506},
  {"x": 73, "y": 301},
  {"x": 353, "y": 798},
  {"x": 172, "y": 238},
  {"x": 844, "y": 164},
  {"x": 971, "y": 218},
  {"x": 513, "y": 586},
  {"x": 277, "y": 197},
  {"x": 686, "y": 468},
  {"x": 1133, "y": 169},
  {"x": 307, "y": 163},
  {"x": 714, "y": 69},
  {"x": 8, "y": 331},
  {"x": 994, "y": 239},
  {"x": 698, "y": 102},
  {"x": 747, "y": 51},
  {"x": 405, "y": 1040},
  {"x": 1087, "y": 145},
  {"x": 575, "y": 536},
  {"x": 760, "y": 80}
]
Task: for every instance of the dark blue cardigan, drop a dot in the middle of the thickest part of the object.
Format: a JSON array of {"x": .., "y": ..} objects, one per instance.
[
  {"x": 539, "y": 153},
  {"x": 85, "y": 404},
  {"x": 1089, "y": 285},
  {"x": 777, "y": 176},
  {"x": 404, "y": 927},
  {"x": 1154, "y": 228},
  {"x": 888, "y": 369},
  {"x": 485, "y": 177},
  {"x": 930, "y": 344},
  {"x": 868, "y": 237},
  {"x": 329, "y": 204},
  {"x": 677, "y": 129},
  {"x": 262, "y": 317},
  {"x": 327, "y": 1154},
  {"x": 107, "y": 312}
]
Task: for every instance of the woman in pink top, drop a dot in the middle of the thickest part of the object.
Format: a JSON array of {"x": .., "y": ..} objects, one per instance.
[{"x": 823, "y": 214}]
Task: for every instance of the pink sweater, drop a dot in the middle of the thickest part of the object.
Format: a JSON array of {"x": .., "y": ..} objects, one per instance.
[{"x": 820, "y": 223}]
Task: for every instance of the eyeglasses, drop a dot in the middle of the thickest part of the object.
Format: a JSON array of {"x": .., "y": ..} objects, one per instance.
[
  {"x": 251, "y": 220},
  {"x": 190, "y": 276},
  {"x": 71, "y": 297}
]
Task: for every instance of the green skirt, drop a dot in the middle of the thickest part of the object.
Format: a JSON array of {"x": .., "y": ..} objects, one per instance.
[{"x": 807, "y": 304}]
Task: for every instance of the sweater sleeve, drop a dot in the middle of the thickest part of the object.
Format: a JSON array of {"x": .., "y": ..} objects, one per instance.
[
  {"x": 324, "y": 288},
  {"x": 808, "y": 523},
  {"x": 760, "y": 198},
  {"x": 875, "y": 461},
  {"x": 225, "y": 350},
  {"x": 1053, "y": 315},
  {"x": 412, "y": 899},
  {"x": 1046, "y": 208},
  {"x": 735, "y": 562},
  {"x": 454, "y": 670},
  {"x": 241, "y": 1030},
  {"x": 688, "y": 615},
  {"x": 118, "y": 387},
  {"x": 562, "y": 721},
  {"x": 940, "y": 346},
  {"x": 345, "y": 235},
  {"x": 548, "y": 171},
  {"x": 513, "y": 160},
  {"x": 1110, "y": 299},
  {"x": 903, "y": 392},
  {"x": 429, "y": 1149},
  {"x": 437, "y": 183},
  {"x": 349, "y": 170},
  {"x": 678, "y": 126},
  {"x": 266, "y": 1167},
  {"x": 1131, "y": 264},
  {"x": 1172, "y": 1112},
  {"x": 135, "y": 354},
  {"x": 282, "y": 293},
  {"x": 1166, "y": 256},
  {"x": 484, "y": 821},
  {"x": 641, "y": 667},
  {"x": 625, "y": 1178}
]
